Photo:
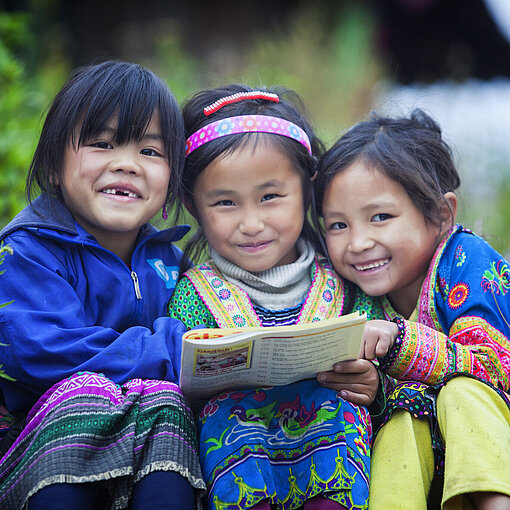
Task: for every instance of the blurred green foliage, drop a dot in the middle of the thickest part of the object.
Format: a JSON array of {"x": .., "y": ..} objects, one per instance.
[{"x": 20, "y": 110}]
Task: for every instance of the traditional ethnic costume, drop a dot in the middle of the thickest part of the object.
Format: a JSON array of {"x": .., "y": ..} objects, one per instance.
[
  {"x": 283, "y": 444},
  {"x": 76, "y": 309},
  {"x": 460, "y": 328}
]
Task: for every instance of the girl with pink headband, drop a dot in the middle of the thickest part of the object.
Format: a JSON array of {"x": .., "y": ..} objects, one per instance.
[{"x": 250, "y": 161}]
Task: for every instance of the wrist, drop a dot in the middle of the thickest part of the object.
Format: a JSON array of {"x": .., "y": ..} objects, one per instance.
[{"x": 386, "y": 361}]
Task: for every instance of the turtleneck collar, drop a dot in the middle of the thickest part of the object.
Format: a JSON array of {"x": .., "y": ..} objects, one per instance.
[{"x": 276, "y": 288}]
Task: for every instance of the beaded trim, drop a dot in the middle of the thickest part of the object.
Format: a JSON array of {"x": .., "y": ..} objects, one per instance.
[
  {"x": 240, "y": 96},
  {"x": 247, "y": 124},
  {"x": 386, "y": 361}
]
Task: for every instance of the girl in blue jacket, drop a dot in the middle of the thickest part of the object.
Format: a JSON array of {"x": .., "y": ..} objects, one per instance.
[{"x": 89, "y": 362}]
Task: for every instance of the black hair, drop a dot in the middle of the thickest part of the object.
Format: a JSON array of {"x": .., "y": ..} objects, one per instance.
[
  {"x": 289, "y": 107},
  {"x": 85, "y": 105},
  {"x": 409, "y": 150}
]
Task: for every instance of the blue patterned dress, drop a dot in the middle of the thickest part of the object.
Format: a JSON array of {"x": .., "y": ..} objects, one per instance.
[{"x": 285, "y": 444}]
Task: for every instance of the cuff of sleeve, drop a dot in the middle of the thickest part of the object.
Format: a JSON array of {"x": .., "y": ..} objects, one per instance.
[{"x": 387, "y": 361}]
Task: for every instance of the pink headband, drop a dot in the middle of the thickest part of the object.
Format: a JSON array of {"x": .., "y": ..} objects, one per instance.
[{"x": 247, "y": 124}]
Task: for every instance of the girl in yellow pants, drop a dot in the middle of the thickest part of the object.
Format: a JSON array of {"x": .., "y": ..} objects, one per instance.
[{"x": 474, "y": 422}]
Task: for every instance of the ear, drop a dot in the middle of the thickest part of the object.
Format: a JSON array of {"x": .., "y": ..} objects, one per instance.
[{"x": 448, "y": 210}]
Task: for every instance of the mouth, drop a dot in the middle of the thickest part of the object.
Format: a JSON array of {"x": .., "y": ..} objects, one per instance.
[
  {"x": 120, "y": 192},
  {"x": 370, "y": 266},
  {"x": 252, "y": 247}
]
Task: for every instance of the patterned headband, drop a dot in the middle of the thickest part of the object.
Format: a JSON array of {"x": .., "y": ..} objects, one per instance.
[
  {"x": 240, "y": 96},
  {"x": 247, "y": 124}
]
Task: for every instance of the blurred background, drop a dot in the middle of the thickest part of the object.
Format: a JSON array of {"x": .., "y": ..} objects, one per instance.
[{"x": 344, "y": 57}]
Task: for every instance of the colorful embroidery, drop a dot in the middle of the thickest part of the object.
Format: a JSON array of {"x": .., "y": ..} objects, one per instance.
[
  {"x": 458, "y": 295},
  {"x": 443, "y": 286},
  {"x": 463, "y": 330},
  {"x": 497, "y": 278},
  {"x": 427, "y": 313},
  {"x": 230, "y": 306},
  {"x": 321, "y": 303},
  {"x": 460, "y": 255}
]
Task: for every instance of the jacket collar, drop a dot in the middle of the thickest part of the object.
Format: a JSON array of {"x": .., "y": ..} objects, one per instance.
[{"x": 48, "y": 214}]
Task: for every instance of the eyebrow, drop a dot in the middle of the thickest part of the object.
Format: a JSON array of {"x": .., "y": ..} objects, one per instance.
[
  {"x": 153, "y": 136},
  {"x": 378, "y": 205},
  {"x": 147, "y": 136},
  {"x": 218, "y": 192},
  {"x": 270, "y": 184},
  {"x": 366, "y": 208},
  {"x": 214, "y": 193}
]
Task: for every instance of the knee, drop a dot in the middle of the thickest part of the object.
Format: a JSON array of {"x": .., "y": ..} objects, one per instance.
[
  {"x": 460, "y": 391},
  {"x": 465, "y": 400}
]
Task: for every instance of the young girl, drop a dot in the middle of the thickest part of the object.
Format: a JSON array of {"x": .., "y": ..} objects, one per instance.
[
  {"x": 387, "y": 193},
  {"x": 247, "y": 180},
  {"x": 89, "y": 366}
]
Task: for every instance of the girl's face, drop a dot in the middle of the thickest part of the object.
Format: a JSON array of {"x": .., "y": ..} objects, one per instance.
[
  {"x": 375, "y": 235},
  {"x": 112, "y": 189},
  {"x": 250, "y": 206}
]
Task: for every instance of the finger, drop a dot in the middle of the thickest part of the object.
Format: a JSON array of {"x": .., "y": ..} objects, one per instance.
[
  {"x": 356, "y": 366},
  {"x": 368, "y": 378},
  {"x": 382, "y": 347},
  {"x": 370, "y": 351},
  {"x": 356, "y": 398},
  {"x": 361, "y": 353},
  {"x": 357, "y": 385},
  {"x": 332, "y": 378}
]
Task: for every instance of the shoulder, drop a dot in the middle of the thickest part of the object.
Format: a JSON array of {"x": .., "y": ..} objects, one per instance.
[
  {"x": 45, "y": 212},
  {"x": 322, "y": 269},
  {"x": 465, "y": 249},
  {"x": 187, "y": 305},
  {"x": 184, "y": 287}
]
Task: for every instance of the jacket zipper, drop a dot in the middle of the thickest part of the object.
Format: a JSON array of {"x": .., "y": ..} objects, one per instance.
[{"x": 136, "y": 284}]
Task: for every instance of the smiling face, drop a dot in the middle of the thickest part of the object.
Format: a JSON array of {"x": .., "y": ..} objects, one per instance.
[
  {"x": 250, "y": 206},
  {"x": 112, "y": 190},
  {"x": 375, "y": 235}
]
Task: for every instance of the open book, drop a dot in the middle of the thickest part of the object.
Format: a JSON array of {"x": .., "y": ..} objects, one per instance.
[{"x": 216, "y": 360}]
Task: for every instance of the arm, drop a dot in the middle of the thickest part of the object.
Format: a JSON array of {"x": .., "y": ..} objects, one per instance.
[
  {"x": 46, "y": 332},
  {"x": 473, "y": 347}
]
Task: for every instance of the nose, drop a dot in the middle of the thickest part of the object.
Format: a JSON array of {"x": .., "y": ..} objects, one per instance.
[
  {"x": 251, "y": 223},
  {"x": 126, "y": 160},
  {"x": 360, "y": 240}
]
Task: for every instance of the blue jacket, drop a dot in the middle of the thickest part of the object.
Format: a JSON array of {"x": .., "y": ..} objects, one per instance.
[{"x": 78, "y": 307}]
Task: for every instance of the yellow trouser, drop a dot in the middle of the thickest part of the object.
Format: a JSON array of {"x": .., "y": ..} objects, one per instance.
[{"x": 475, "y": 425}]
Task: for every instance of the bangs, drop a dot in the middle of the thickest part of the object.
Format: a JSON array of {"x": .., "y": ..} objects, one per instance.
[{"x": 131, "y": 103}]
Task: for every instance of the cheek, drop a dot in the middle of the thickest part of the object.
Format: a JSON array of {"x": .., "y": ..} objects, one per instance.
[
  {"x": 214, "y": 227},
  {"x": 161, "y": 180},
  {"x": 333, "y": 250}
]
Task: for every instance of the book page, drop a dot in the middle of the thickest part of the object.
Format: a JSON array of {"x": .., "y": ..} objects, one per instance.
[{"x": 259, "y": 357}]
